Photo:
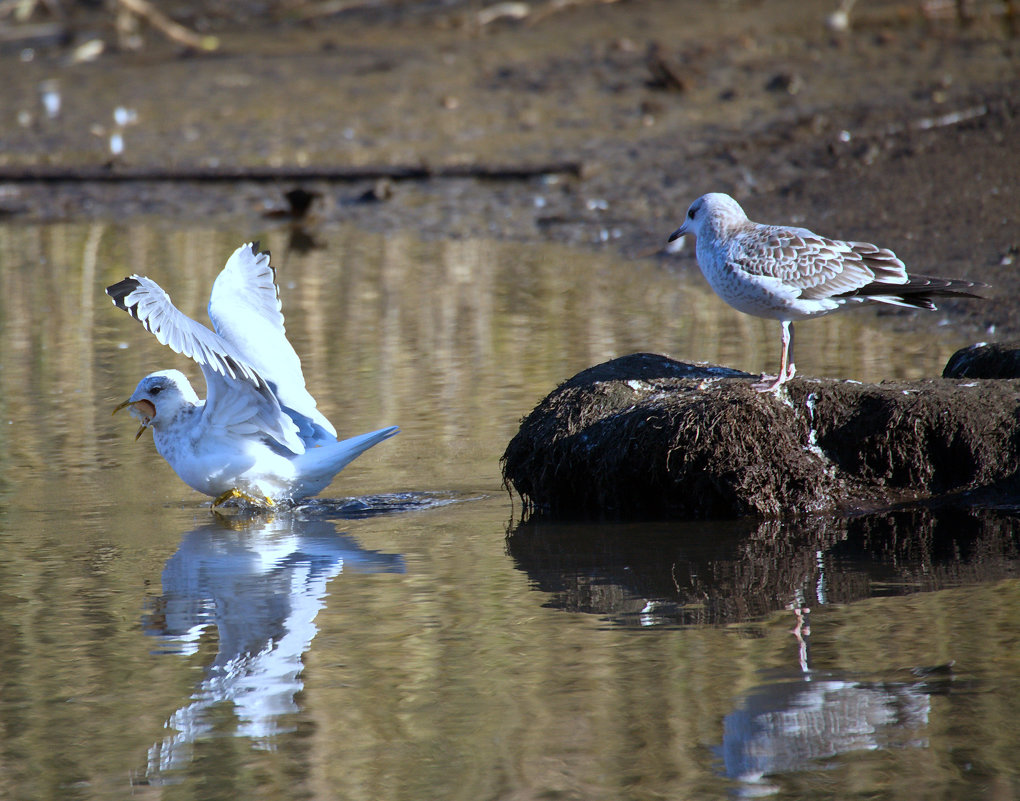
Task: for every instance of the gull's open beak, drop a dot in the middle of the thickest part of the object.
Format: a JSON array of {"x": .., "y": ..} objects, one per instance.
[
  {"x": 122, "y": 405},
  {"x": 679, "y": 232},
  {"x": 144, "y": 408}
]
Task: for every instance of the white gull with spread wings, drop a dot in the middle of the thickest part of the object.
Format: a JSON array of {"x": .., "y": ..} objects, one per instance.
[
  {"x": 258, "y": 433},
  {"x": 788, "y": 274}
]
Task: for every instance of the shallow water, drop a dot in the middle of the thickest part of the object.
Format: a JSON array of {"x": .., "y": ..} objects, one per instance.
[{"x": 408, "y": 637}]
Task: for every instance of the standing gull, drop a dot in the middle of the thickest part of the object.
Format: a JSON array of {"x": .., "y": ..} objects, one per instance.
[
  {"x": 258, "y": 435},
  {"x": 788, "y": 274}
]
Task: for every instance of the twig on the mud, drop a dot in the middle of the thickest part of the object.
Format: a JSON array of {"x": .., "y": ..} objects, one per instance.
[
  {"x": 555, "y": 6},
  {"x": 963, "y": 11},
  {"x": 300, "y": 10},
  {"x": 499, "y": 11},
  {"x": 43, "y": 33},
  {"x": 172, "y": 30},
  {"x": 46, "y": 173},
  {"x": 930, "y": 123},
  {"x": 532, "y": 14},
  {"x": 950, "y": 118},
  {"x": 23, "y": 9}
]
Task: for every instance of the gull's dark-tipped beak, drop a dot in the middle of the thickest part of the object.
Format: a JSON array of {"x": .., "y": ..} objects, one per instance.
[
  {"x": 144, "y": 407},
  {"x": 679, "y": 232},
  {"x": 145, "y": 410}
]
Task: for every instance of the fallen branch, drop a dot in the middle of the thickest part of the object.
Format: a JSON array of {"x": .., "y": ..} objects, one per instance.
[
  {"x": 326, "y": 9},
  {"x": 22, "y": 10},
  {"x": 47, "y": 173},
  {"x": 963, "y": 12},
  {"x": 161, "y": 22},
  {"x": 518, "y": 11},
  {"x": 43, "y": 33}
]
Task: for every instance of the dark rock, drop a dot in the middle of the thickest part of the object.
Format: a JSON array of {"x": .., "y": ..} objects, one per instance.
[
  {"x": 664, "y": 72},
  {"x": 985, "y": 360},
  {"x": 647, "y": 437},
  {"x": 785, "y": 82},
  {"x": 380, "y": 191}
]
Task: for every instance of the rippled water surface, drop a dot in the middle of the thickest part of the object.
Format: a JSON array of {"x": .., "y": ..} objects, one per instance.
[{"x": 407, "y": 637}]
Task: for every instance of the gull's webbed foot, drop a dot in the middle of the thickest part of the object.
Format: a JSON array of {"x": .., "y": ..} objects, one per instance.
[
  {"x": 230, "y": 494},
  {"x": 769, "y": 383}
]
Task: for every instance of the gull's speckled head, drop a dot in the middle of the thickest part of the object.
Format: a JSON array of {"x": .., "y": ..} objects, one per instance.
[
  {"x": 716, "y": 209},
  {"x": 159, "y": 396}
]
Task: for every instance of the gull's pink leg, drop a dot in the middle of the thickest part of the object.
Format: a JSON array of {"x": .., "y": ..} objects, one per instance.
[
  {"x": 791, "y": 369},
  {"x": 786, "y": 366}
]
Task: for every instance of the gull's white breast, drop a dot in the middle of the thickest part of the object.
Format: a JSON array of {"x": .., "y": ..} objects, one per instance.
[{"x": 769, "y": 296}]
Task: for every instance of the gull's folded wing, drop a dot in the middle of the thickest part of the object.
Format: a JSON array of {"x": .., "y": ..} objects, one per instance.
[
  {"x": 238, "y": 397},
  {"x": 815, "y": 267},
  {"x": 245, "y": 309}
]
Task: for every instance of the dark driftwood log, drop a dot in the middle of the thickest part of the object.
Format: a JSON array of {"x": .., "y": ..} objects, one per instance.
[
  {"x": 645, "y": 436},
  {"x": 45, "y": 173}
]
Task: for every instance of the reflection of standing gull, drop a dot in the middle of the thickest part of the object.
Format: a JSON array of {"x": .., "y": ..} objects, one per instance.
[
  {"x": 785, "y": 726},
  {"x": 261, "y": 588},
  {"x": 789, "y": 274},
  {"x": 258, "y": 434}
]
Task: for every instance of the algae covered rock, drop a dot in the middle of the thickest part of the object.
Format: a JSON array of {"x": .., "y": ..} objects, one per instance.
[{"x": 644, "y": 436}]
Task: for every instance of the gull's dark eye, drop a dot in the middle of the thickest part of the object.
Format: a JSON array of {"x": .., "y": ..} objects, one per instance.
[
  {"x": 690, "y": 214},
  {"x": 156, "y": 390}
]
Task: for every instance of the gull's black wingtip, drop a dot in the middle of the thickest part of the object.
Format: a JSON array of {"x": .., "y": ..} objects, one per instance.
[
  {"x": 119, "y": 291},
  {"x": 256, "y": 249}
]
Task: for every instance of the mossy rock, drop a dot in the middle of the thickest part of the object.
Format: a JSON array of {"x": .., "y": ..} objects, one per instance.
[{"x": 644, "y": 436}]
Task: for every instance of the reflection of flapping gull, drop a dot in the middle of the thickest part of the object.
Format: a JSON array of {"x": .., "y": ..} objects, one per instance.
[
  {"x": 258, "y": 433},
  {"x": 261, "y": 588},
  {"x": 789, "y": 274}
]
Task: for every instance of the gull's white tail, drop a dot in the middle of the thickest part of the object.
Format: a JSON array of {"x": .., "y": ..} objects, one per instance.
[{"x": 317, "y": 466}]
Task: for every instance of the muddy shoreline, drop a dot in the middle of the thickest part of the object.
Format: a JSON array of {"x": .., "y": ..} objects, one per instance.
[{"x": 900, "y": 130}]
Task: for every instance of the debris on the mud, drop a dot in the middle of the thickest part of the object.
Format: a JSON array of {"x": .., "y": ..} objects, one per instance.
[
  {"x": 985, "y": 360},
  {"x": 644, "y": 436},
  {"x": 174, "y": 31},
  {"x": 663, "y": 72},
  {"x": 104, "y": 173},
  {"x": 299, "y": 201}
]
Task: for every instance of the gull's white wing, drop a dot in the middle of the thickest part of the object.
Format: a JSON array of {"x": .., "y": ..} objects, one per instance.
[
  {"x": 245, "y": 309},
  {"x": 238, "y": 398}
]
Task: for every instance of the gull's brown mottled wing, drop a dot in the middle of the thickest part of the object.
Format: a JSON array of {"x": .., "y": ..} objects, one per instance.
[{"x": 814, "y": 266}]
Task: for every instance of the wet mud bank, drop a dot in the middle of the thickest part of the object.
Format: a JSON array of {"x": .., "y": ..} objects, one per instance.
[
  {"x": 588, "y": 123},
  {"x": 644, "y": 436}
]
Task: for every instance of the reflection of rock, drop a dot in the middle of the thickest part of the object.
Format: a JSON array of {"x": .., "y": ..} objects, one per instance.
[
  {"x": 721, "y": 572},
  {"x": 783, "y": 727},
  {"x": 261, "y": 588},
  {"x": 644, "y": 436}
]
